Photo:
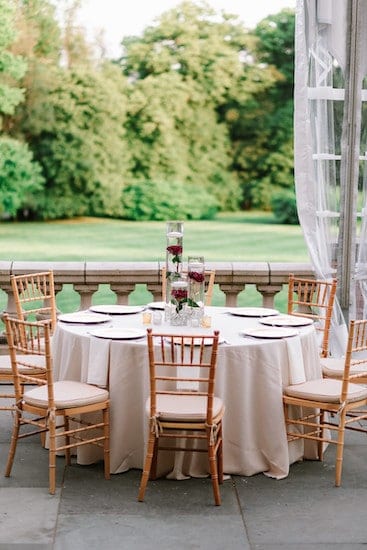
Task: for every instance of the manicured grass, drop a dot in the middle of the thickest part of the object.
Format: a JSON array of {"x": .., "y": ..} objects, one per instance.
[
  {"x": 249, "y": 236},
  {"x": 246, "y": 237}
]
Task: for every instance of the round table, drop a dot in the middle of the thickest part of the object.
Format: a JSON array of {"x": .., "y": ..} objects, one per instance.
[{"x": 251, "y": 373}]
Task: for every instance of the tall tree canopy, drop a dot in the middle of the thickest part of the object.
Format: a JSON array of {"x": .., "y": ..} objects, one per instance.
[
  {"x": 189, "y": 73},
  {"x": 196, "y": 102}
]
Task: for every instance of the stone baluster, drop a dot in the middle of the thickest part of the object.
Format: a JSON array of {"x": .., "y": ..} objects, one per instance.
[
  {"x": 231, "y": 292},
  {"x": 268, "y": 293},
  {"x": 86, "y": 294},
  {"x": 156, "y": 290},
  {"x": 122, "y": 292}
]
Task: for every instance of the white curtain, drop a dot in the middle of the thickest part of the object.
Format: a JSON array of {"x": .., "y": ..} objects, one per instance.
[{"x": 322, "y": 60}]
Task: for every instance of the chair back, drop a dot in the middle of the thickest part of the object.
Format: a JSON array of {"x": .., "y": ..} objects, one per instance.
[
  {"x": 315, "y": 299},
  {"x": 182, "y": 366},
  {"x": 209, "y": 285},
  {"x": 30, "y": 354},
  {"x": 355, "y": 355},
  {"x": 34, "y": 295}
]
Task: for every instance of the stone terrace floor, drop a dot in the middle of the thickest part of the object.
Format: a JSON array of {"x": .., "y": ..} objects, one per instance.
[{"x": 303, "y": 512}]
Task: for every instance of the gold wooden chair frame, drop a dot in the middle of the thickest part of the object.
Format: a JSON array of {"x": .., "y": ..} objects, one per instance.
[
  {"x": 34, "y": 296},
  {"x": 182, "y": 405},
  {"x": 209, "y": 285},
  {"x": 329, "y": 406},
  {"x": 313, "y": 298},
  {"x": 47, "y": 401}
]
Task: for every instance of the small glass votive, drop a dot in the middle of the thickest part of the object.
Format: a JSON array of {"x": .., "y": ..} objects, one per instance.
[
  {"x": 206, "y": 321},
  {"x": 194, "y": 322},
  {"x": 147, "y": 317},
  {"x": 157, "y": 318}
]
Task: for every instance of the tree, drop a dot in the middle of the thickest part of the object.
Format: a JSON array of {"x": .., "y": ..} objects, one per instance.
[
  {"x": 263, "y": 134},
  {"x": 187, "y": 71},
  {"x": 12, "y": 67},
  {"x": 20, "y": 178},
  {"x": 81, "y": 144},
  {"x": 19, "y": 175}
]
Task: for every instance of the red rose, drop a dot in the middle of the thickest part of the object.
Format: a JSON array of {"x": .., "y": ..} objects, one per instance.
[
  {"x": 196, "y": 276},
  {"x": 175, "y": 249},
  {"x": 179, "y": 294}
]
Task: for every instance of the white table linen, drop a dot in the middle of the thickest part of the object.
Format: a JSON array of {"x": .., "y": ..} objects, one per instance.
[{"x": 250, "y": 375}]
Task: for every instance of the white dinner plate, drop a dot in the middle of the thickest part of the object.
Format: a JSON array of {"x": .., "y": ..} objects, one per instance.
[
  {"x": 156, "y": 305},
  {"x": 116, "y": 309},
  {"x": 115, "y": 333},
  {"x": 270, "y": 332},
  {"x": 287, "y": 321},
  {"x": 253, "y": 311},
  {"x": 83, "y": 318}
]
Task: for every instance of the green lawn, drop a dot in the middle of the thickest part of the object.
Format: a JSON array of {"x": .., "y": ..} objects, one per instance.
[{"x": 250, "y": 236}]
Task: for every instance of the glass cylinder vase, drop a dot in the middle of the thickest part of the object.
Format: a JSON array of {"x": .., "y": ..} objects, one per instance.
[
  {"x": 196, "y": 288},
  {"x": 178, "y": 311},
  {"x": 174, "y": 250}
]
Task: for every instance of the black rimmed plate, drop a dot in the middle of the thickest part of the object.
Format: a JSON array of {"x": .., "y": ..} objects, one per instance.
[
  {"x": 287, "y": 321},
  {"x": 83, "y": 318},
  {"x": 253, "y": 311},
  {"x": 270, "y": 332},
  {"x": 116, "y": 333},
  {"x": 116, "y": 309}
]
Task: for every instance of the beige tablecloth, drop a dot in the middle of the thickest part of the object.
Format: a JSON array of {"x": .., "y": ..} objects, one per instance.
[{"x": 250, "y": 376}]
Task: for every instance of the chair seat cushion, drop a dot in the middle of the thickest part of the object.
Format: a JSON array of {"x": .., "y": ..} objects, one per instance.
[
  {"x": 325, "y": 389},
  {"x": 184, "y": 408},
  {"x": 67, "y": 394},
  {"x": 334, "y": 366},
  {"x": 37, "y": 361}
]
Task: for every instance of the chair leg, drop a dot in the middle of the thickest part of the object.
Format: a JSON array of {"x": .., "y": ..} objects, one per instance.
[
  {"x": 147, "y": 466},
  {"x": 340, "y": 450},
  {"x": 13, "y": 443},
  {"x": 67, "y": 440},
  {"x": 52, "y": 457},
  {"x": 320, "y": 446},
  {"x": 106, "y": 443},
  {"x": 213, "y": 467},
  {"x": 220, "y": 456},
  {"x": 154, "y": 465}
]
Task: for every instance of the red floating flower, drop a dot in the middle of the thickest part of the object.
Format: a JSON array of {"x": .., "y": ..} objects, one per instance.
[
  {"x": 174, "y": 249},
  {"x": 196, "y": 276}
]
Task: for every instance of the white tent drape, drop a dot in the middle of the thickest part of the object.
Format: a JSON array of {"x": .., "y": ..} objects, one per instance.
[{"x": 330, "y": 133}]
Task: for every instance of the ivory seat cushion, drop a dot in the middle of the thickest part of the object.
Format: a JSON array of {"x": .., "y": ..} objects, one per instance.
[
  {"x": 67, "y": 394},
  {"x": 184, "y": 408},
  {"x": 334, "y": 366},
  {"x": 325, "y": 389},
  {"x": 36, "y": 360}
]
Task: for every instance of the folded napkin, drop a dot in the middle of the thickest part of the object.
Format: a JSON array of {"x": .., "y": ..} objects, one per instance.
[
  {"x": 296, "y": 368},
  {"x": 98, "y": 361}
]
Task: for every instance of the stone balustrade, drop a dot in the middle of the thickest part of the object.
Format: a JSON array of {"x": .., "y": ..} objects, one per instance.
[
  {"x": 122, "y": 277},
  {"x": 232, "y": 278}
]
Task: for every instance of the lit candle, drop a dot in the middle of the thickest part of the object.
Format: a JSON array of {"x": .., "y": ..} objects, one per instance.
[
  {"x": 179, "y": 284},
  {"x": 196, "y": 266}
]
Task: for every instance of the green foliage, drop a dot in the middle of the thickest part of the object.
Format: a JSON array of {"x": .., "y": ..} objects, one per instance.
[
  {"x": 285, "y": 207},
  {"x": 151, "y": 200},
  {"x": 197, "y": 100},
  {"x": 263, "y": 131},
  {"x": 12, "y": 67},
  {"x": 20, "y": 177},
  {"x": 81, "y": 146},
  {"x": 185, "y": 70}
]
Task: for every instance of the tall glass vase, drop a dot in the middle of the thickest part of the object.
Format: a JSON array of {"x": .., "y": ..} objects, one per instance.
[
  {"x": 196, "y": 288},
  {"x": 174, "y": 250},
  {"x": 178, "y": 311}
]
